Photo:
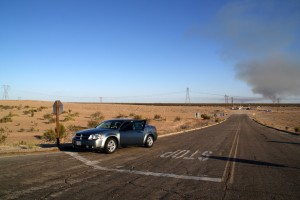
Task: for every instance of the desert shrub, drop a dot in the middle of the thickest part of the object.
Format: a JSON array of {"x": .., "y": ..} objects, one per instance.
[
  {"x": 32, "y": 113},
  {"x": 26, "y": 112},
  {"x": 3, "y": 135},
  {"x": 50, "y": 134},
  {"x": 74, "y": 128},
  {"x": 32, "y": 129},
  {"x": 184, "y": 126},
  {"x": 75, "y": 114},
  {"x": 92, "y": 123},
  {"x": 205, "y": 116},
  {"x": 157, "y": 117},
  {"x": 21, "y": 130},
  {"x": 6, "y": 119},
  {"x": 97, "y": 116},
  {"x": 121, "y": 116},
  {"x": 41, "y": 108},
  {"x": 47, "y": 116},
  {"x": 217, "y": 120},
  {"x": 12, "y": 114},
  {"x": 50, "y": 118},
  {"x": 177, "y": 119},
  {"x": 26, "y": 107},
  {"x": 7, "y": 107},
  {"x": 69, "y": 118},
  {"x": 297, "y": 129},
  {"x": 137, "y": 117}
]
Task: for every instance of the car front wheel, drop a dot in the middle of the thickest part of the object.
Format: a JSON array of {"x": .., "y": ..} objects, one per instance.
[
  {"x": 149, "y": 141},
  {"x": 110, "y": 145}
]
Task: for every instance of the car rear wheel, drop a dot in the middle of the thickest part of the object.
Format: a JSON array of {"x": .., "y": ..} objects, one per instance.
[
  {"x": 110, "y": 145},
  {"x": 149, "y": 141}
]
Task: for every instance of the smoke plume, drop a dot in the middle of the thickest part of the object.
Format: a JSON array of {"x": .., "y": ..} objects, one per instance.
[{"x": 262, "y": 39}]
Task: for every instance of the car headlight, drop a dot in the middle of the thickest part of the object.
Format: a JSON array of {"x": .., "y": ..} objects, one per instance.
[{"x": 95, "y": 136}]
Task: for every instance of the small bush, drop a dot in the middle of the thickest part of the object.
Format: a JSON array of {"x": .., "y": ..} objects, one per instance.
[
  {"x": 157, "y": 117},
  {"x": 3, "y": 135},
  {"x": 21, "y": 130},
  {"x": 41, "y": 108},
  {"x": 121, "y": 116},
  {"x": 7, "y": 107},
  {"x": 50, "y": 118},
  {"x": 26, "y": 112},
  {"x": 138, "y": 117},
  {"x": 68, "y": 118},
  {"x": 74, "y": 128},
  {"x": 297, "y": 129},
  {"x": 97, "y": 116},
  {"x": 6, "y": 119},
  {"x": 184, "y": 126},
  {"x": 205, "y": 117},
  {"x": 217, "y": 120},
  {"x": 50, "y": 134},
  {"x": 177, "y": 119},
  {"x": 92, "y": 123}
]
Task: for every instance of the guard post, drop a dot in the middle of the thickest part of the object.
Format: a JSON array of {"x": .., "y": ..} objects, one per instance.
[{"x": 57, "y": 110}]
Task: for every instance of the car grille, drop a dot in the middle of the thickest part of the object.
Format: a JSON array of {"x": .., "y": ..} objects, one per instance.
[{"x": 81, "y": 136}]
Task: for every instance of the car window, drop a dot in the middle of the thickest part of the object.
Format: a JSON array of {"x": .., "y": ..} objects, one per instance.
[
  {"x": 127, "y": 126},
  {"x": 110, "y": 125},
  {"x": 139, "y": 125}
]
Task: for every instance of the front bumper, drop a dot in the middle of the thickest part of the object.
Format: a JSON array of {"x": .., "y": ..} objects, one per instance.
[{"x": 88, "y": 144}]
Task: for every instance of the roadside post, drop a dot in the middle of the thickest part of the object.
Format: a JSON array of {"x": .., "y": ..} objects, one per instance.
[{"x": 57, "y": 110}]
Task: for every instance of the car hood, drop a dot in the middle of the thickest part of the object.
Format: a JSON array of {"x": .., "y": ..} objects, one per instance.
[{"x": 95, "y": 130}]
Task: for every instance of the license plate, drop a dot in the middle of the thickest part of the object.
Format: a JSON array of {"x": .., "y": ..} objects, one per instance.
[{"x": 78, "y": 143}]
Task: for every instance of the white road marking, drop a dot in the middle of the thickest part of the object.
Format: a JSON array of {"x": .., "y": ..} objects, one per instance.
[
  {"x": 182, "y": 154},
  {"x": 95, "y": 166}
]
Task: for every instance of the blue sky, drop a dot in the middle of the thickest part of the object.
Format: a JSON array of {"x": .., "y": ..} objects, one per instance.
[{"x": 142, "y": 50}]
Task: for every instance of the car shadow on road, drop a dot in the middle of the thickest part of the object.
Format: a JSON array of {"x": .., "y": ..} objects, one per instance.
[
  {"x": 67, "y": 147},
  {"x": 251, "y": 162}
]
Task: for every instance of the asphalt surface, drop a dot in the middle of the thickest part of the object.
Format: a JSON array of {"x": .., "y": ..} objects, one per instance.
[{"x": 237, "y": 159}]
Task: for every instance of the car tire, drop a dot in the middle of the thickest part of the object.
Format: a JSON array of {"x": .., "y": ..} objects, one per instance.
[
  {"x": 149, "y": 141},
  {"x": 110, "y": 146}
]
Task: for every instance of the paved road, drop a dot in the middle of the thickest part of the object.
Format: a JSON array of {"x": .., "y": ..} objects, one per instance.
[{"x": 238, "y": 159}]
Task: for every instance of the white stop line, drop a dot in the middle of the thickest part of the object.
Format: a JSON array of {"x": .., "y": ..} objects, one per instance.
[{"x": 127, "y": 171}]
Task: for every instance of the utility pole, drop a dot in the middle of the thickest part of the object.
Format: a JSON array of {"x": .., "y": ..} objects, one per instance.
[
  {"x": 187, "y": 96},
  {"x": 5, "y": 91},
  {"x": 226, "y": 99}
]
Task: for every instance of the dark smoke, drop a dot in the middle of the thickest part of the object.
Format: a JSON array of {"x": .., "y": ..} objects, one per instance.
[
  {"x": 262, "y": 39},
  {"x": 274, "y": 76}
]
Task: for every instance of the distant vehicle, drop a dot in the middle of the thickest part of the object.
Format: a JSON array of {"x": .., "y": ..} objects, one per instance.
[{"x": 112, "y": 134}]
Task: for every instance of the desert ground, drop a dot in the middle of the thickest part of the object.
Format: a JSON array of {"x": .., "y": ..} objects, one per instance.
[{"x": 24, "y": 123}]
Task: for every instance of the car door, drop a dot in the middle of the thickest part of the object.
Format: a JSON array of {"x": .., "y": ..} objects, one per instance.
[{"x": 131, "y": 134}]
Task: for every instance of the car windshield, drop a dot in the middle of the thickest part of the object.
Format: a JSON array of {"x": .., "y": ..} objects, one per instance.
[{"x": 110, "y": 124}]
